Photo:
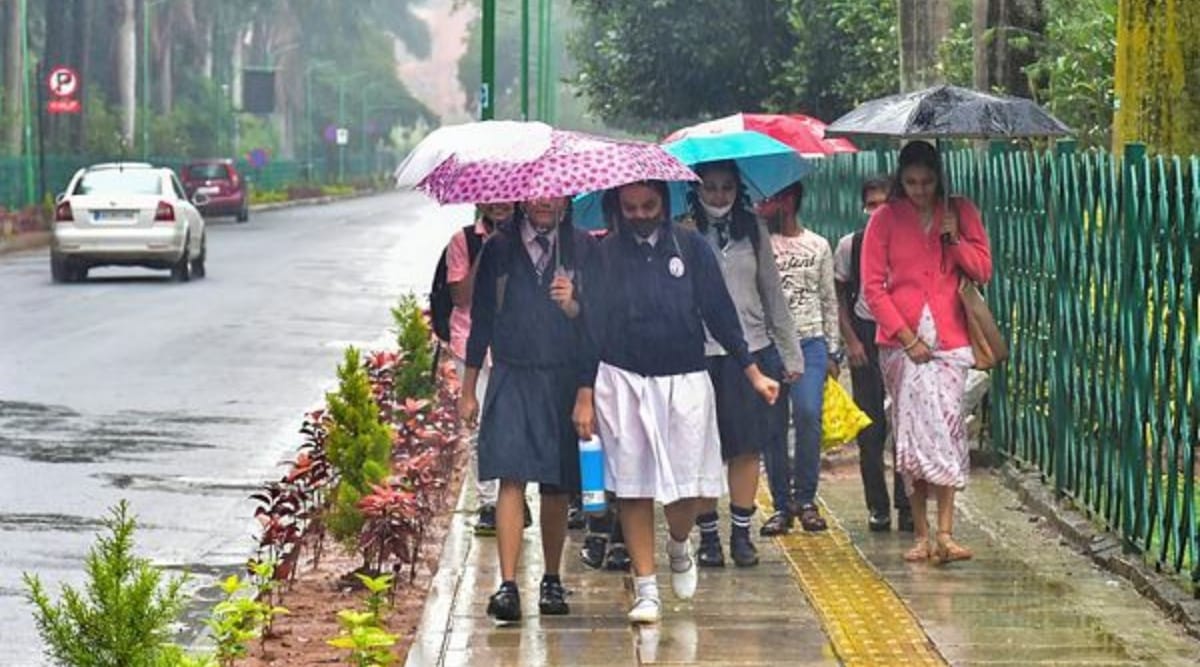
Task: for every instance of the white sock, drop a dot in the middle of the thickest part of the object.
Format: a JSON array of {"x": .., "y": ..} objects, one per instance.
[{"x": 646, "y": 587}]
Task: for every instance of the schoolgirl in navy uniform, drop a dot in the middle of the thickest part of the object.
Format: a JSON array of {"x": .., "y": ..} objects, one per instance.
[
  {"x": 653, "y": 401},
  {"x": 525, "y": 307}
]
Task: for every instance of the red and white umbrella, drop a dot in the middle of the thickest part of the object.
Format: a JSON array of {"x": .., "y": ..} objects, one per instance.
[
  {"x": 574, "y": 163},
  {"x": 805, "y": 134}
]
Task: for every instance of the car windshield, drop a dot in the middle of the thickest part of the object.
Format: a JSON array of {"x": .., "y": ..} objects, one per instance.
[
  {"x": 120, "y": 182},
  {"x": 206, "y": 171}
]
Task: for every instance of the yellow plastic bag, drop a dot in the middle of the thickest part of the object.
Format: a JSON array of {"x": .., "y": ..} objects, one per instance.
[{"x": 841, "y": 418}]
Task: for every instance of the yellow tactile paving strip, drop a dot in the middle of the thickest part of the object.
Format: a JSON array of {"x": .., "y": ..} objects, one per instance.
[{"x": 867, "y": 623}]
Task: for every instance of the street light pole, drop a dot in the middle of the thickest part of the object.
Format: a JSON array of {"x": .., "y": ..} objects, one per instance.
[
  {"x": 487, "y": 88},
  {"x": 362, "y": 124},
  {"x": 146, "y": 9},
  {"x": 524, "y": 59},
  {"x": 26, "y": 90}
]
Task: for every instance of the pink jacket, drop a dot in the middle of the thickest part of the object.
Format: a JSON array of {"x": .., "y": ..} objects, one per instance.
[{"x": 902, "y": 270}]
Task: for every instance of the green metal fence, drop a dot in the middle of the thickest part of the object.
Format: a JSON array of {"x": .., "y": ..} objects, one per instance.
[
  {"x": 1096, "y": 286},
  {"x": 275, "y": 175}
]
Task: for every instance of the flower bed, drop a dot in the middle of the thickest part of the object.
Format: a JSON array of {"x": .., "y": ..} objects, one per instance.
[{"x": 396, "y": 527}]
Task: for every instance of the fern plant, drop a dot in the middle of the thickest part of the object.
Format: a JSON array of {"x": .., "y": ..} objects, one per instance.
[
  {"x": 123, "y": 615},
  {"x": 359, "y": 446}
]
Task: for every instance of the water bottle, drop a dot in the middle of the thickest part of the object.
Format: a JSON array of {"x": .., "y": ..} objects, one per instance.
[{"x": 591, "y": 475}]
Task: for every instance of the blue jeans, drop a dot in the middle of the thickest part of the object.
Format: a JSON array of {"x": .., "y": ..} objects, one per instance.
[{"x": 796, "y": 478}]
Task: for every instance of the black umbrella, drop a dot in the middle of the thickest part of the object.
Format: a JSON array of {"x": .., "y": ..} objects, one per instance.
[{"x": 949, "y": 112}]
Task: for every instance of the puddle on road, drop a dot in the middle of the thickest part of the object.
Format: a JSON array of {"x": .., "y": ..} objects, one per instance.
[
  {"x": 56, "y": 434},
  {"x": 49, "y": 522},
  {"x": 169, "y": 484}
]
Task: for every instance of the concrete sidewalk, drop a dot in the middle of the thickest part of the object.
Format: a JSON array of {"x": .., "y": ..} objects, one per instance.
[{"x": 841, "y": 597}]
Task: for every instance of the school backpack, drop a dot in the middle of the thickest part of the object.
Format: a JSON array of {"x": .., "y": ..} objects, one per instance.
[{"x": 440, "y": 302}]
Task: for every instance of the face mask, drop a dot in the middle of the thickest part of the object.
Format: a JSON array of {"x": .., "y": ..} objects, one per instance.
[
  {"x": 717, "y": 213},
  {"x": 643, "y": 227}
]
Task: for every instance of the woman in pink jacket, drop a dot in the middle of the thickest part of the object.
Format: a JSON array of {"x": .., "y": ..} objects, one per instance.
[{"x": 917, "y": 248}]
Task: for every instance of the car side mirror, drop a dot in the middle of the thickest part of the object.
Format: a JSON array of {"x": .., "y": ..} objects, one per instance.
[
  {"x": 199, "y": 199},
  {"x": 58, "y": 198}
]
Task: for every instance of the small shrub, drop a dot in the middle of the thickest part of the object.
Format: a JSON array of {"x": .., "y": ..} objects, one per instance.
[
  {"x": 378, "y": 591},
  {"x": 414, "y": 378},
  {"x": 122, "y": 618},
  {"x": 359, "y": 447},
  {"x": 367, "y": 642},
  {"x": 238, "y": 619}
]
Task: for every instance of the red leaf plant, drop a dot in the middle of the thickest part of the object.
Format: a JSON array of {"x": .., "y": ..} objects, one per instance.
[{"x": 393, "y": 527}]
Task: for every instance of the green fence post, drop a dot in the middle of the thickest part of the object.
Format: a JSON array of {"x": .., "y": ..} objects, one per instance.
[
  {"x": 1061, "y": 418},
  {"x": 1132, "y": 321}
]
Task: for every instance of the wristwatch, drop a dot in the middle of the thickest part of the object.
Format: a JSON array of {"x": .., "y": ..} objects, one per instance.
[{"x": 838, "y": 357}]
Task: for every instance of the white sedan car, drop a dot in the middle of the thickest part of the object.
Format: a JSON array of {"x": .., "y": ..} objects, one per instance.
[{"x": 126, "y": 214}]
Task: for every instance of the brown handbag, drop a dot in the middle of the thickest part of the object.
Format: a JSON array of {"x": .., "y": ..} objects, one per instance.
[{"x": 987, "y": 342}]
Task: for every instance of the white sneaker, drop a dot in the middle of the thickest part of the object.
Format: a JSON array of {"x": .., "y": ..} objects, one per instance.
[
  {"x": 684, "y": 575},
  {"x": 645, "y": 610}
]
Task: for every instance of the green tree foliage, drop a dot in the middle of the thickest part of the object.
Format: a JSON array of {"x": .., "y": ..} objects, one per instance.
[
  {"x": 414, "y": 376},
  {"x": 359, "y": 446},
  {"x": 122, "y": 617},
  {"x": 1073, "y": 76},
  {"x": 651, "y": 66},
  {"x": 847, "y": 52}
]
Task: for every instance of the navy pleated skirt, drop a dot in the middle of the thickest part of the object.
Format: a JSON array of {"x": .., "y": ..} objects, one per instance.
[
  {"x": 746, "y": 421},
  {"x": 525, "y": 429}
]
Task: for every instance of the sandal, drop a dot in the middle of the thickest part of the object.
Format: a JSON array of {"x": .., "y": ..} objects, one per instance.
[
  {"x": 919, "y": 552},
  {"x": 948, "y": 551},
  {"x": 810, "y": 519}
]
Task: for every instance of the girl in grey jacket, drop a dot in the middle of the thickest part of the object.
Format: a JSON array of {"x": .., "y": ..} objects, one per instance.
[{"x": 720, "y": 210}]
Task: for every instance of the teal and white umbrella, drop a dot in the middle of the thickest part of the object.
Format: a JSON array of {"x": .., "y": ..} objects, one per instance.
[{"x": 766, "y": 165}]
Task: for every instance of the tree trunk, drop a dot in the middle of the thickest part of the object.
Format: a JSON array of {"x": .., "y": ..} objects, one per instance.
[
  {"x": 83, "y": 37},
  {"x": 165, "y": 80},
  {"x": 1008, "y": 20},
  {"x": 979, "y": 40},
  {"x": 924, "y": 24},
  {"x": 127, "y": 68},
  {"x": 1157, "y": 76},
  {"x": 13, "y": 84}
]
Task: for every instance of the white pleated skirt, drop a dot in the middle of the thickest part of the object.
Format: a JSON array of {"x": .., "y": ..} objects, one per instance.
[{"x": 659, "y": 435}]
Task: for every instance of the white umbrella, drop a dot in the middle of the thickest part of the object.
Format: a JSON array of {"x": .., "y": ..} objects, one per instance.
[{"x": 489, "y": 139}]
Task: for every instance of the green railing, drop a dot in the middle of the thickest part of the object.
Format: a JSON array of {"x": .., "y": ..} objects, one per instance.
[
  {"x": 275, "y": 175},
  {"x": 1096, "y": 286}
]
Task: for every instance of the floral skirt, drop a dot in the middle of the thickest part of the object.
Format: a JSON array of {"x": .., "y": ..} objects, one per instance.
[{"x": 926, "y": 410}]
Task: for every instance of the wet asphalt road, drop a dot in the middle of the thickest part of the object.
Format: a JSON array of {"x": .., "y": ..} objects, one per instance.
[{"x": 182, "y": 398}]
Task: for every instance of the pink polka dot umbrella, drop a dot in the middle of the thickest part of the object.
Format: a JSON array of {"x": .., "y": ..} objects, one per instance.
[{"x": 575, "y": 162}]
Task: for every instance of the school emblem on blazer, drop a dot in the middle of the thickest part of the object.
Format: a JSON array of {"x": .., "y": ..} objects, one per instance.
[{"x": 675, "y": 267}]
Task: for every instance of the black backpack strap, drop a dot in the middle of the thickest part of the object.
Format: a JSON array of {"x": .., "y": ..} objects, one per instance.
[
  {"x": 474, "y": 243},
  {"x": 855, "y": 282}
]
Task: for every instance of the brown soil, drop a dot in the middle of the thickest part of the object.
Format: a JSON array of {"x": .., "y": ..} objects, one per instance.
[{"x": 317, "y": 595}]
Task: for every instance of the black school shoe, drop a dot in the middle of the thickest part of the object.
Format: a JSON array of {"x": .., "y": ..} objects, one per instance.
[
  {"x": 904, "y": 521},
  {"x": 709, "y": 554},
  {"x": 505, "y": 605},
  {"x": 742, "y": 549},
  {"x": 485, "y": 524},
  {"x": 576, "y": 517},
  {"x": 592, "y": 552},
  {"x": 879, "y": 522},
  {"x": 553, "y": 600},
  {"x": 617, "y": 559}
]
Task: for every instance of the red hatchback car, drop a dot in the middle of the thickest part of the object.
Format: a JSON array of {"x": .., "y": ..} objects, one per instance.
[{"x": 220, "y": 181}]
